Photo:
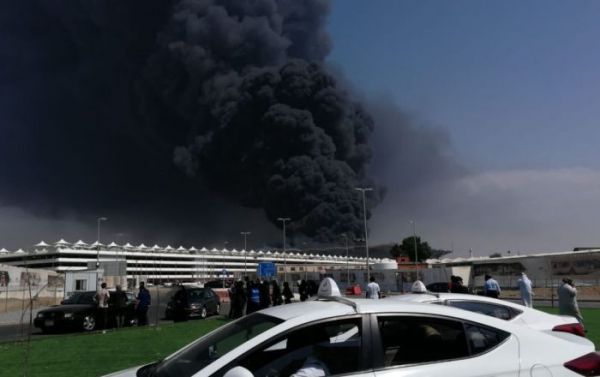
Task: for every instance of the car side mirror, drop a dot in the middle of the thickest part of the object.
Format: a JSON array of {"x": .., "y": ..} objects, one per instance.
[{"x": 238, "y": 372}]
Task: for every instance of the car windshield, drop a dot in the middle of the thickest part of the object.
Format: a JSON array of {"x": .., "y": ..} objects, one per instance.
[
  {"x": 80, "y": 298},
  {"x": 209, "y": 348}
]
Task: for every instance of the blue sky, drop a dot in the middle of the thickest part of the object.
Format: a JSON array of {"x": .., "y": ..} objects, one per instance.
[
  {"x": 514, "y": 87},
  {"x": 515, "y": 84}
]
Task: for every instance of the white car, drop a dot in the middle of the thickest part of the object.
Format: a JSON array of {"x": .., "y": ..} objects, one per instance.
[
  {"x": 502, "y": 309},
  {"x": 333, "y": 336}
]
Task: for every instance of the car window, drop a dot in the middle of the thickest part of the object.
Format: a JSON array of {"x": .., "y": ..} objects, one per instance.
[
  {"x": 409, "y": 340},
  {"x": 482, "y": 339},
  {"x": 493, "y": 310},
  {"x": 196, "y": 294},
  {"x": 334, "y": 347},
  {"x": 206, "y": 350}
]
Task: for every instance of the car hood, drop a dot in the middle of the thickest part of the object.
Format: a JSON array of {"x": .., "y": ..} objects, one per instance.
[{"x": 67, "y": 308}]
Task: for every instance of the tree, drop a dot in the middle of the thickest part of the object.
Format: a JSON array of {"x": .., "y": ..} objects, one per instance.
[
  {"x": 407, "y": 248},
  {"x": 495, "y": 255}
]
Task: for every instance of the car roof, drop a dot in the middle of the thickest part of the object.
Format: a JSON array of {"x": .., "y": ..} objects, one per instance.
[
  {"x": 434, "y": 296},
  {"x": 312, "y": 310}
]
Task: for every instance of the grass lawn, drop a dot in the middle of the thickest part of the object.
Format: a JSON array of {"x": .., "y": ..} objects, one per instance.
[{"x": 98, "y": 354}]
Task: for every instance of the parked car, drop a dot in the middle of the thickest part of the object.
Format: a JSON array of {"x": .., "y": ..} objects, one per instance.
[
  {"x": 506, "y": 310},
  {"x": 201, "y": 302},
  {"x": 442, "y": 286},
  {"x": 374, "y": 338},
  {"x": 79, "y": 313}
]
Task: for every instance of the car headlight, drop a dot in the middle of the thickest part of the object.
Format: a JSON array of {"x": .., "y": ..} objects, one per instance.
[
  {"x": 68, "y": 315},
  {"x": 40, "y": 315},
  {"x": 194, "y": 306}
]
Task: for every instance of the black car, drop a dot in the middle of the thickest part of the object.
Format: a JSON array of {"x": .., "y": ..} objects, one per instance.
[
  {"x": 79, "y": 313},
  {"x": 442, "y": 286},
  {"x": 198, "y": 302}
]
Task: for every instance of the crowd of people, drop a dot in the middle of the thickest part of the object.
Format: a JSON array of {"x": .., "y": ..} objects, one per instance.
[{"x": 247, "y": 296}]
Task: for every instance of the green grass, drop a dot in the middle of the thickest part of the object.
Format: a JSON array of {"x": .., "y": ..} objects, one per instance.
[
  {"x": 98, "y": 354},
  {"x": 591, "y": 322}
]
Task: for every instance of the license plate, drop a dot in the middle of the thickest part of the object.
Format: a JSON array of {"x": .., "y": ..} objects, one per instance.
[{"x": 48, "y": 323}]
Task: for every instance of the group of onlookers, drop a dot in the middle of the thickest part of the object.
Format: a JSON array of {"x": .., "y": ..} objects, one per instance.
[
  {"x": 248, "y": 296},
  {"x": 567, "y": 294},
  {"x": 142, "y": 303}
]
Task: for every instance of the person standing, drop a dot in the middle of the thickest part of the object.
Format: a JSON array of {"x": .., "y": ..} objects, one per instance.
[
  {"x": 303, "y": 290},
  {"x": 526, "y": 291},
  {"x": 180, "y": 303},
  {"x": 102, "y": 299},
  {"x": 287, "y": 293},
  {"x": 120, "y": 306},
  {"x": 373, "y": 290},
  {"x": 567, "y": 300},
  {"x": 142, "y": 304},
  {"x": 491, "y": 288},
  {"x": 238, "y": 300},
  {"x": 265, "y": 294},
  {"x": 275, "y": 293}
]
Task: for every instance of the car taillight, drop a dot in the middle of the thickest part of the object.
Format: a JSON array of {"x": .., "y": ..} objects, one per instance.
[
  {"x": 587, "y": 365},
  {"x": 573, "y": 328}
]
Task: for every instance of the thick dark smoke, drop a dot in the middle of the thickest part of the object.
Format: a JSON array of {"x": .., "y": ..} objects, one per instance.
[{"x": 151, "y": 107}]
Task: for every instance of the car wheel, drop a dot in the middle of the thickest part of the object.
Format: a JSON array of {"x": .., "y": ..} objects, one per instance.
[
  {"x": 203, "y": 312},
  {"x": 89, "y": 323}
]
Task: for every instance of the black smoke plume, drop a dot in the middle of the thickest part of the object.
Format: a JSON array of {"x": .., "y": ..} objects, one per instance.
[{"x": 152, "y": 106}]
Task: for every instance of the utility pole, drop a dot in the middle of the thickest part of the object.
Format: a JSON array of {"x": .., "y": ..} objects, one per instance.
[
  {"x": 283, "y": 220},
  {"x": 245, "y": 234},
  {"x": 99, "y": 219},
  {"x": 363, "y": 190}
]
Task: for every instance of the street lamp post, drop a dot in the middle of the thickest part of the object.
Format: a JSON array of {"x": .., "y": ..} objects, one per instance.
[
  {"x": 99, "y": 219},
  {"x": 415, "y": 241},
  {"x": 283, "y": 220},
  {"x": 347, "y": 260},
  {"x": 245, "y": 234},
  {"x": 363, "y": 190}
]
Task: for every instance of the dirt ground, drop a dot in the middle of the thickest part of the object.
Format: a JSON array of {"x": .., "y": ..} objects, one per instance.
[{"x": 7, "y": 305}]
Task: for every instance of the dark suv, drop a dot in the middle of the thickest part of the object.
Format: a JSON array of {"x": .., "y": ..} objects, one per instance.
[
  {"x": 198, "y": 302},
  {"x": 79, "y": 313}
]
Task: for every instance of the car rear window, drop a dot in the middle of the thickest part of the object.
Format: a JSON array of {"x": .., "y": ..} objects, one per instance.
[{"x": 493, "y": 310}]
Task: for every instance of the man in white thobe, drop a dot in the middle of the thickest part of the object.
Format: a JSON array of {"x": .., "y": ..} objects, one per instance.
[{"x": 526, "y": 291}]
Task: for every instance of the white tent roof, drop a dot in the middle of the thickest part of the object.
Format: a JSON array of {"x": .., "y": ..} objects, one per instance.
[
  {"x": 20, "y": 251},
  {"x": 128, "y": 245},
  {"x": 42, "y": 244},
  {"x": 3, "y": 251},
  {"x": 192, "y": 249},
  {"x": 80, "y": 243},
  {"x": 181, "y": 248},
  {"x": 168, "y": 248},
  {"x": 204, "y": 249},
  {"x": 96, "y": 244},
  {"x": 155, "y": 247},
  {"x": 113, "y": 244},
  {"x": 141, "y": 246},
  {"x": 214, "y": 249},
  {"x": 62, "y": 242}
]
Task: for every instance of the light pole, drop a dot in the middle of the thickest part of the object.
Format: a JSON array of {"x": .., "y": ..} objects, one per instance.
[
  {"x": 283, "y": 220},
  {"x": 347, "y": 260},
  {"x": 245, "y": 234},
  {"x": 99, "y": 219},
  {"x": 415, "y": 240},
  {"x": 363, "y": 190}
]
